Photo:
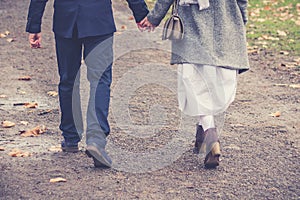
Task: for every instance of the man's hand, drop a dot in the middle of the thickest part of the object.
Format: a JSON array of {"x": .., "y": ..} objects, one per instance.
[{"x": 35, "y": 40}]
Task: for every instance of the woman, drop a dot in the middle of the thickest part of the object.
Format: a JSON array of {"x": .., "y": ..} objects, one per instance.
[{"x": 209, "y": 57}]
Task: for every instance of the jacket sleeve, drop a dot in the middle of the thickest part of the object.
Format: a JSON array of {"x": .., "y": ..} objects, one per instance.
[
  {"x": 139, "y": 9},
  {"x": 243, "y": 4},
  {"x": 159, "y": 11},
  {"x": 35, "y": 14}
]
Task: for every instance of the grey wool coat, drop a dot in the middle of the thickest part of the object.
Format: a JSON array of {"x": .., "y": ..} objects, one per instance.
[{"x": 213, "y": 36}]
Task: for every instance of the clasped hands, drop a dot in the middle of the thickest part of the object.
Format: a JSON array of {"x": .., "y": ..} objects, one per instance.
[
  {"x": 35, "y": 38},
  {"x": 145, "y": 25}
]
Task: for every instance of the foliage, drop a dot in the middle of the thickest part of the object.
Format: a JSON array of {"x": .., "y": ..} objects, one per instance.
[{"x": 275, "y": 24}]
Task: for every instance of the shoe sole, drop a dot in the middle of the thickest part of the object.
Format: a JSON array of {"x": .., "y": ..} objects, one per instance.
[
  {"x": 70, "y": 149},
  {"x": 211, "y": 164},
  {"x": 91, "y": 151}
]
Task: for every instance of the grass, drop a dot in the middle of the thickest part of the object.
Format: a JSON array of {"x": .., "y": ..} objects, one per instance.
[
  {"x": 269, "y": 21},
  {"x": 275, "y": 25}
]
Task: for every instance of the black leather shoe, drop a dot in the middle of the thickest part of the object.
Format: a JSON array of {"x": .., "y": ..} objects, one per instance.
[
  {"x": 99, "y": 155},
  {"x": 69, "y": 147}
]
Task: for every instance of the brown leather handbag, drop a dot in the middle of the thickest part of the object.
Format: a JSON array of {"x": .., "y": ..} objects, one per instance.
[{"x": 173, "y": 27}]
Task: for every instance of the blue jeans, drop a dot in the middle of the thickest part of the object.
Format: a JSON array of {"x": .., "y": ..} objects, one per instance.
[{"x": 98, "y": 56}]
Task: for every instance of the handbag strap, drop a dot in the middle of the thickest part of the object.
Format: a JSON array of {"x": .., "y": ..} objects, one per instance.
[{"x": 175, "y": 7}]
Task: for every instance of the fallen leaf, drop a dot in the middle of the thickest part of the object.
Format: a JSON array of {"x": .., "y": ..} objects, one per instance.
[
  {"x": 297, "y": 60},
  {"x": 2, "y": 35},
  {"x": 7, "y": 124},
  {"x": 24, "y": 78},
  {"x": 172, "y": 191},
  {"x": 24, "y": 123},
  {"x": 252, "y": 51},
  {"x": 284, "y": 53},
  {"x": 123, "y": 27},
  {"x": 260, "y": 20},
  {"x": 233, "y": 147},
  {"x": 189, "y": 185},
  {"x": 276, "y": 114},
  {"x": 118, "y": 33},
  {"x": 2, "y": 149},
  {"x": 58, "y": 179},
  {"x": 10, "y": 40},
  {"x": 34, "y": 132},
  {"x": 159, "y": 42},
  {"x": 45, "y": 112},
  {"x": 237, "y": 125},
  {"x": 31, "y": 105},
  {"x": 18, "y": 153},
  {"x": 21, "y": 92},
  {"x": 267, "y": 8},
  {"x": 288, "y": 65},
  {"x": 52, "y": 93},
  {"x": 295, "y": 86},
  {"x": 286, "y": 17},
  {"x": 55, "y": 149},
  {"x": 264, "y": 43},
  {"x": 281, "y": 85},
  {"x": 3, "y": 96},
  {"x": 6, "y": 32},
  {"x": 281, "y": 33},
  {"x": 266, "y": 37},
  {"x": 254, "y": 12},
  {"x": 18, "y": 104},
  {"x": 131, "y": 18}
]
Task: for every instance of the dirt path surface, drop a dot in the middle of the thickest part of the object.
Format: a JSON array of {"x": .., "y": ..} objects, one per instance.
[{"x": 260, "y": 153}]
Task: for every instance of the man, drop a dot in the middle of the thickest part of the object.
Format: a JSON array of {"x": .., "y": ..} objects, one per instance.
[{"x": 86, "y": 24}]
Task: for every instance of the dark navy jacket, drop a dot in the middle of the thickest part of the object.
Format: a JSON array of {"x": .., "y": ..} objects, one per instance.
[{"x": 92, "y": 17}]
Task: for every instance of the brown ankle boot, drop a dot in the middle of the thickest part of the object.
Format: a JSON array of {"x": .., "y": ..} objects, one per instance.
[
  {"x": 213, "y": 152},
  {"x": 200, "y": 136}
]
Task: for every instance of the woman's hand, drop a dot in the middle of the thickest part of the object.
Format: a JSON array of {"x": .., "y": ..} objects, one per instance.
[{"x": 145, "y": 25}]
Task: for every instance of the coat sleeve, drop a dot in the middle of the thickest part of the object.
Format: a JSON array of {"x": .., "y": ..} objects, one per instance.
[
  {"x": 159, "y": 11},
  {"x": 139, "y": 9},
  {"x": 35, "y": 14},
  {"x": 243, "y": 4}
]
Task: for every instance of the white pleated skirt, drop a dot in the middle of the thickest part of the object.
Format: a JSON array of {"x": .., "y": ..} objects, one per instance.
[{"x": 205, "y": 90}]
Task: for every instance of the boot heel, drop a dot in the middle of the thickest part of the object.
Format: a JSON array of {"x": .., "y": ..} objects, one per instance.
[
  {"x": 216, "y": 150},
  {"x": 199, "y": 143}
]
